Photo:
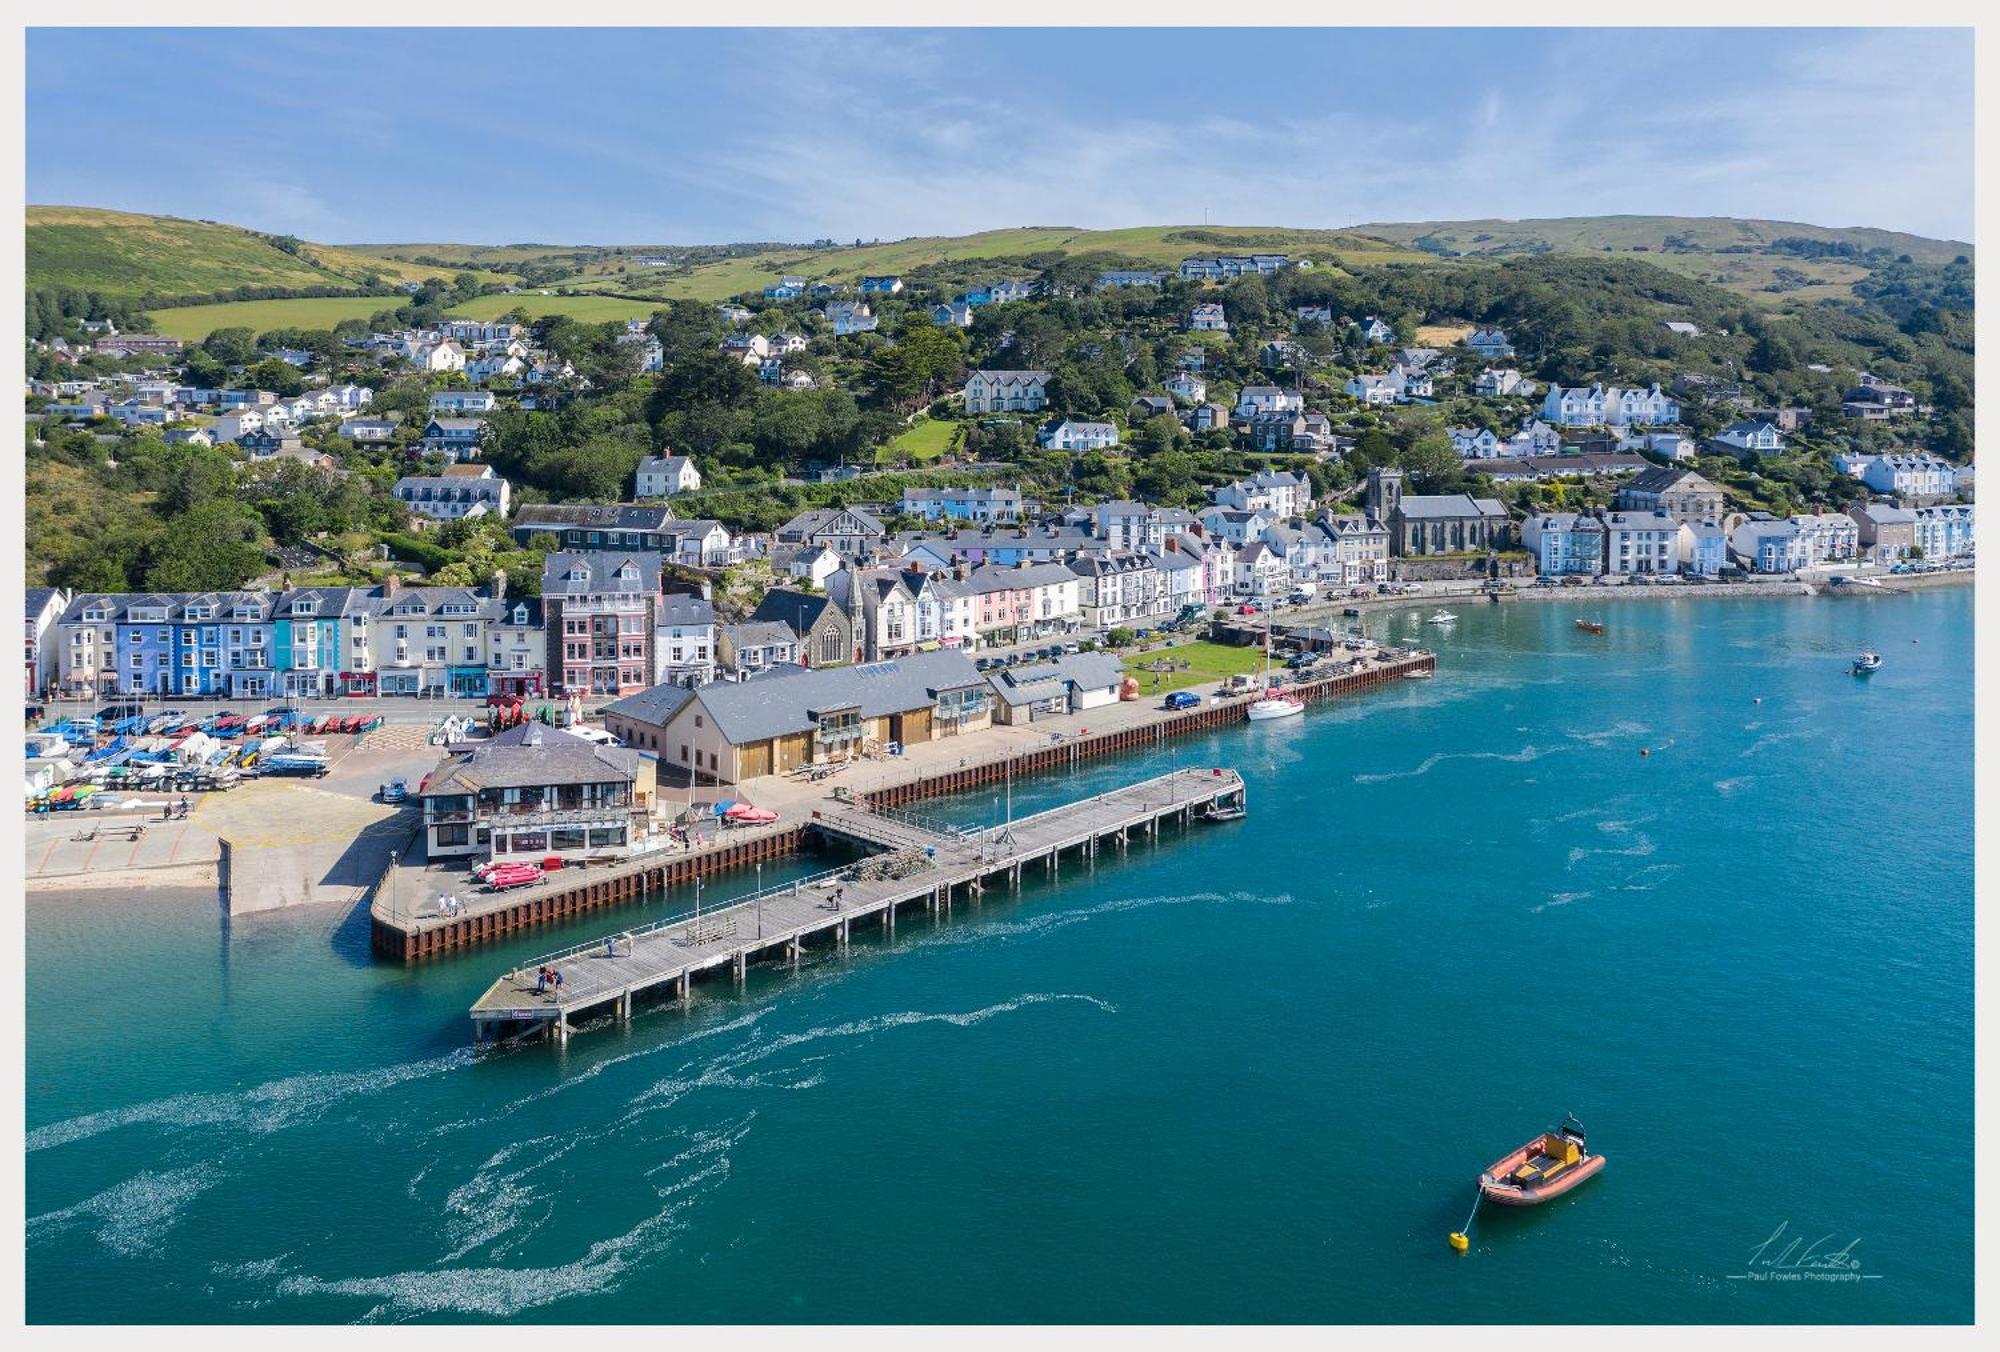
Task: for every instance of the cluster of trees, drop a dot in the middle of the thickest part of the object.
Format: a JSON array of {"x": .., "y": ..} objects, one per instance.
[
  {"x": 59, "y": 312},
  {"x": 178, "y": 518}
]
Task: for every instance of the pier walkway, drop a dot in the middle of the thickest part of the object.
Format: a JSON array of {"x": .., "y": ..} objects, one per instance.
[{"x": 914, "y": 863}]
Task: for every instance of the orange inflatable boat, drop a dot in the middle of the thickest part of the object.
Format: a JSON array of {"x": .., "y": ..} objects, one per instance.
[{"x": 1548, "y": 1166}]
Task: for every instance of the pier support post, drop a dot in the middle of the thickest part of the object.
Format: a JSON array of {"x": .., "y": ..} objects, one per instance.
[
  {"x": 843, "y": 932},
  {"x": 562, "y": 1027},
  {"x": 625, "y": 1007},
  {"x": 681, "y": 987},
  {"x": 742, "y": 966},
  {"x": 793, "y": 949}
]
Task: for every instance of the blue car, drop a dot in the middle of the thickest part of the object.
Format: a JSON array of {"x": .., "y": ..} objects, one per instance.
[{"x": 1183, "y": 699}]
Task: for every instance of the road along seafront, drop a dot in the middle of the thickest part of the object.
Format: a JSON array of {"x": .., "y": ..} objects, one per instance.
[{"x": 406, "y": 923}]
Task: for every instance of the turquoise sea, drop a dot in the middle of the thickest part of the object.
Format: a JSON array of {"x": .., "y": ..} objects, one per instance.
[{"x": 1248, "y": 1075}]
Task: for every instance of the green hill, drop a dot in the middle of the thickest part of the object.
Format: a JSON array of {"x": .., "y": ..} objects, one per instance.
[
  {"x": 1776, "y": 263},
  {"x": 1666, "y": 235},
  {"x": 120, "y": 253}
]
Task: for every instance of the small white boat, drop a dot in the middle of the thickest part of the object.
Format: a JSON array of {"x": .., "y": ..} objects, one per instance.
[
  {"x": 1276, "y": 705},
  {"x": 1865, "y": 664},
  {"x": 1422, "y": 674},
  {"x": 1442, "y": 617}
]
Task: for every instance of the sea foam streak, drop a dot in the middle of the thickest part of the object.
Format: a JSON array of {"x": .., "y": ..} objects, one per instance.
[{"x": 266, "y": 1108}]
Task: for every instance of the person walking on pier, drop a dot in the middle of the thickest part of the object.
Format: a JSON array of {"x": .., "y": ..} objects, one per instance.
[
  {"x": 558, "y": 976},
  {"x": 541, "y": 978}
]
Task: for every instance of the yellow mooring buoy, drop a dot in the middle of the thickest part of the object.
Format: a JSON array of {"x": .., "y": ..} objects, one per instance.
[{"x": 1461, "y": 1238}]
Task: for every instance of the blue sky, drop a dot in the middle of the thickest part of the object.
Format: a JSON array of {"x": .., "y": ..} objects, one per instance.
[{"x": 678, "y": 136}]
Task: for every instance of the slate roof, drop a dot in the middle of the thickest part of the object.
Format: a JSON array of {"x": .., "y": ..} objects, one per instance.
[
  {"x": 1445, "y": 506},
  {"x": 529, "y": 755},
  {"x": 786, "y": 702},
  {"x": 656, "y": 706},
  {"x": 605, "y": 516}
]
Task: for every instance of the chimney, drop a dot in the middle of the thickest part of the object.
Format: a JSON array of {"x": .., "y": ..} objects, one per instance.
[
  {"x": 499, "y": 584},
  {"x": 390, "y": 584}
]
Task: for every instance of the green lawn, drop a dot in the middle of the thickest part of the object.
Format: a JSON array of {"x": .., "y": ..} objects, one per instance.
[
  {"x": 1207, "y": 663},
  {"x": 927, "y": 440},
  {"x": 195, "y": 322}
]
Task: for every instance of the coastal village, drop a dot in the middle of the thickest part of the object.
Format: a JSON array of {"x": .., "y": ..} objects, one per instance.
[{"x": 653, "y": 652}]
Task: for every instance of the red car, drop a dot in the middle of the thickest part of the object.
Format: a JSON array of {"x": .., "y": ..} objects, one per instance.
[{"x": 1247, "y": 608}]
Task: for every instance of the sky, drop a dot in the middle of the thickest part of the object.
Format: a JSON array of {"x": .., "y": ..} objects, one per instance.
[{"x": 601, "y": 136}]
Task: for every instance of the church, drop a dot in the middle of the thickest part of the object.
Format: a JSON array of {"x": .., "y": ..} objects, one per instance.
[{"x": 1442, "y": 523}]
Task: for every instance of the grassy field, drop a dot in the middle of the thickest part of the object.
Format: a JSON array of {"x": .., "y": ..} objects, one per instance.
[
  {"x": 588, "y": 309},
  {"x": 125, "y": 254},
  {"x": 1207, "y": 663},
  {"x": 928, "y": 440},
  {"x": 195, "y": 322},
  {"x": 1160, "y": 244},
  {"x": 1706, "y": 234}
]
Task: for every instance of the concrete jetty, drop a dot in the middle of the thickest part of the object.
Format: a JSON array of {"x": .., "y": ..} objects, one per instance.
[{"x": 914, "y": 864}]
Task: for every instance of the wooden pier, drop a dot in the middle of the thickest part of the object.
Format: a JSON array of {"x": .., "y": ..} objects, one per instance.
[
  {"x": 400, "y": 935},
  {"x": 914, "y": 864}
]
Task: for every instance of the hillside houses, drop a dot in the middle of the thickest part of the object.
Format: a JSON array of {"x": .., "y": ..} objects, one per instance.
[
  {"x": 989, "y": 391},
  {"x": 1602, "y": 405}
]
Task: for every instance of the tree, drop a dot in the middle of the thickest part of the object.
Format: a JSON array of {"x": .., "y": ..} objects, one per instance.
[
  {"x": 231, "y": 347},
  {"x": 216, "y": 546},
  {"x": 279, "y": 376},
  {"x": 1431, "y": 462}
]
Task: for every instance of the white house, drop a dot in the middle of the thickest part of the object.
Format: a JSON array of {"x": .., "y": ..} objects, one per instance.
[
  {"x": 1489, "y": 340},
  {"x": 662, "y": 476},
  {"x": 1187, "y": 387},
  {"x": 957, "y": 315},
  {"x": 851, "y": 316},
  {"x": 1373, "y": 389},
  {"x": 1474, "y": 443},
  {"x": 1639, "y": 543},
  {"x": 1601, "y": 405},
  {"x": 1769, "y": 546},
  {"x": 1071, "y": 435},
  {"x": 1208, "y": 318},
  {"x": 1911, "y": 474},
  {"x": 1264, "y": 400},
  {"x": 1006, "y": 391},
  {"x": 447, "y": 497},
  {"x": 1945, "y": 531},
  {"x": 1500, "y": 381},
  {"x": 1751, "y": 434}
]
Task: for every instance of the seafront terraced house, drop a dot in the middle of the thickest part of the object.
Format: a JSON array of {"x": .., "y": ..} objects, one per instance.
[
  {"x": 1945, "y": 532},
  {"x": 599, "y": 611},
  {"x": 430, "y": 640}
]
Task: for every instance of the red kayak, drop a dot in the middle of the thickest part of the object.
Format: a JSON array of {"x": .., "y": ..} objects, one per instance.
[{"x": 1546, "y": 1167}]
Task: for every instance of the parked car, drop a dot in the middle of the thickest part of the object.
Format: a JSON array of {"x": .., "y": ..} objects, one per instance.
[
  {"x": 1247, "y": 608},
  {"x": 1299, "y": 598},
  {"x": 1072, "y": 647},
  {"x": 1182, "y": 699},
  {"x": 118, "y": 713},
  {"x": 396, "y": 790}
]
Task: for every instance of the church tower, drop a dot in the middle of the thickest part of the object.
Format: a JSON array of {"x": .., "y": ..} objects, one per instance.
[{"x": 1385, "y": 492}]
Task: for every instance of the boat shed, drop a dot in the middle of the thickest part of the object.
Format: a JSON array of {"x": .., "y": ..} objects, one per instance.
[{"x": 790, "y": 717}]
